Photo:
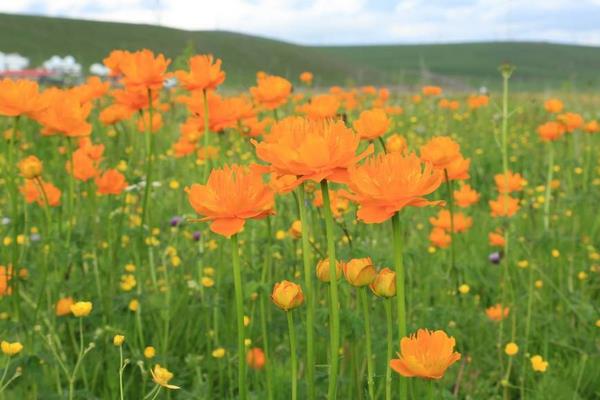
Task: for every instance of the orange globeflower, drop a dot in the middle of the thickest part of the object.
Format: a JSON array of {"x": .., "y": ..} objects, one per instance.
[
  {"x": 389, "y": 182},
  {"x": 65, "y": 115},
  {"x": 115, "y": 113},
  {"x": 478, "y": 101},
  {"x": 427, "y": 354},
  {"x": 396, "y": 143},
  {"x": 372, "y": 124},
  {"x": 460, "y": 221},
  {"x": 384, "y": 284},
  {"x": 504, "y": 206},
  {"x": 32, "y": 191},
  {"x": 510, "y": 182},
  {"x": 496, "y": 239},
  {"x": 553, "y": 105},
  {"x": 203, "y": 75},
  {"x": 142, "y": 70},
  {"x": 431, "y": 90},
  {"x": 144, "y": 120},
  {"x": 439, "y": 238},
  {"x": 321, "y": 106},
  {"x": 114, "y": 60},
  {"x": 359, "y": 271},
  {"x": 466, "y": 196},
  {"x": 272, "y": 91},
  {"x": 287, "y": 295},
  {"x": 551, "y": 131},
  {"x": 497, "y": 312},
  {"x": 92, "y": 89},
  {"x": 63, "y": 306},
  {"x": 111, "y": 182},
  {"x": 30, "y": 167},
  {"x": 5, "y": 277},
  {"x": 232, "y": 195},
  {"x": 306, "y": 77},
  {"x": 459, "y": 169},
  {"x": 21, "y": 97},
  {"x": 441, "y": 152},
  {"x": 310, "y": 149},
  {"x": 255, "y": 358},
  {"x": 134, "y": 99},
  {"x": 571, "y": 121},
  {"x": 592, "y": 127},
  {"x": 84, "y": 167}
]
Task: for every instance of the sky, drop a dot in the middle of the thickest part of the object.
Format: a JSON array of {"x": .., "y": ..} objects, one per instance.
[{"x": 321, "y": 22}]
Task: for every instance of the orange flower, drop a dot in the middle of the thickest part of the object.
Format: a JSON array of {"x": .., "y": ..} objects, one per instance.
[
  {"x": 387, "y": 183},
  {"x": 551, "y": 131},
  {"x": 396, "y": 143},
  {"x": 553, "y": 105},
  {"x": 111, "y": 182},
  {"x": 222, "y": 112},
  {"x": 20, "y": 97},
  {"x": 466, "y": 196},
  {"x": 5, "y": 277},
  {"x": 142, "y": 70},
  {"x": 84, "y": 167},
  {"x": 459, "y": 169},
  {"x": 114, "y": 60},
  {"x": 571, "y": 121},
  {"x": 231, "y": 195},
  {"x": 203, "y": 73},
  {"x": 460, "y": 221},
  {"x": 92, "y": 89},
  {"x": 504, "y": 206},
  {"x": 338, "y": 202},
  {"x": 478, "y": 101},
  {"x": 255, "y": 358},
  {"x": 372, "y": 124},
  {"x": 497, "y": 312},
  {"x": 427, "y": 355},
  {"x": 431, "y": 90},
  {"x": 271, "y": 91},
  {"x": 306, "y": 77},
  {"x": 439, "y": 238},
  {"x": 254, "y": 127},
  {"x": 63, "y": 306},
  {"x": 287, "y": 295},
  {"x": 144, "y": 120},
  {"x": 65, "y": 115},
  {"x": 592, "y": 127},
  {"x": 32, "y": 191},
  {"x": 359, "y": 271},
  {"x": 321, "y": 106},
  {"x": 134, "y": 99},
  {"x": 323, "y": 273},
  {"x": 509, "y": 183},
  {"x": 30, "y": 167},
  {"x": 296, "y": 229},
  {"x": 384, "y": 284},
  {"x": 496, "y": 239},
  {"x": 309, "y": 149},
  {"x": 115, "y": 113},
  {"x": 441, "y": 151}
]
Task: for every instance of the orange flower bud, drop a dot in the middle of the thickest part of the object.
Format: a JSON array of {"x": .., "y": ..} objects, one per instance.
[
  {"x": 255, "y": 358},
  {"x": 384, "y": 284},
  {"x": 359, "y": 271},
  {"x": 63, "y": 306},
  {"x": 287, "y": 295},
  {"x": 30, "y": 167},
  {"x": 323, "y": 271}
]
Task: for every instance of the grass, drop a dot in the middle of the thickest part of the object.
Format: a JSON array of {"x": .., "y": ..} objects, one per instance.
[{"x": 541, "y": 65}]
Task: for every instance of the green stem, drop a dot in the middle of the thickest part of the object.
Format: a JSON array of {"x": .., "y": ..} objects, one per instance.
[
  {"x": 362, "y": 292},
  {"x": 149, "y": 162},
  {"x": 334, "y": 328},
  {"x": 206, "y": 133},
  {"x": 310, "y": 300},
  {"x": 453, "y": 270},
  {"x": 390, "y": 343},
  {"x": 399, "y": 266},
  {"x": 293, "y": 360},
  {"x": 548, "y": 195},
  {"x": 121, "y": 367},
  {"x": 239, "y": 305},
  {"x": 263, "y": 312}
]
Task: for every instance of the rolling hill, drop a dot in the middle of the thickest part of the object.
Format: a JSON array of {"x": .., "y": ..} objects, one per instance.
[{"x": 539, "y": 65}]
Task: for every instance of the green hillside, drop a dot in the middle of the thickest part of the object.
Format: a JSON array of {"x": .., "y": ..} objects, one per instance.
[{"x": 539, "y": 65}]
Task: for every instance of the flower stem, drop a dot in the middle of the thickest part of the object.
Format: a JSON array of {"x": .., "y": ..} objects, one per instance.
[
  {"x": 453, "y": 270},
  {"x": 548, "y": 195},
  {"x": 263, "y": 313},
  {"x": 362, "y": 292},
  {"x": 310, "y": 300},
  {"x": 399, "y": 266},
  {"x": 121, "y": 367},
  {"x": 206, "y": 133},
  {"x": 239, "y": 305},
  {"x": 149, "y": 162},
  {"x": 390, "y": 341},
  {"x": 293, "y": 355},
  {"x": 334, "y": 328}
]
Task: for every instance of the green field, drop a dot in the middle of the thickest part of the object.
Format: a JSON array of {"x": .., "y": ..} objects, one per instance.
[{"x": 540, "y": 65}]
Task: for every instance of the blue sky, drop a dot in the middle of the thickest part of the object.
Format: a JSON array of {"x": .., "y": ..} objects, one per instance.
[{"x": 349, "y": 21}]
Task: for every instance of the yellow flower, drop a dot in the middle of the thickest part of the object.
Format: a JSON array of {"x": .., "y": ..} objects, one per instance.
[
  {"x": 511, "y": 349},
  {"x": 246, "y": 320},
  {"x": 555, "y": 253},
  {"x": 161, "y": 376},
  {"x": 539, "y": 284},
  {"x": 538, "y": 364},
  {"x": 118, "y": 340},
  {"x": 175, "y": 261},
  {"x": 582, "y": 276},
  {"x": 134, "y": 304},
  {"x": 464, "y": 288},
  {"x": 81, "y": 308},
  {"x": 149, "y": 352},
  {"x": 11, "y": 349},
  {"x": 523, "y": 264},
  {"x": 280, "y": 234},
  {"x": 207, "y": 282},
  {"x": 218, "y": 352},
  {"x": 128, "y": 282},
  {"x": 174, "y": 184}
]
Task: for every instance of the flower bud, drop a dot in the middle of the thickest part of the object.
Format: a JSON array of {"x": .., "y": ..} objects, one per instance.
[
  {"x": 287, "y": 295},
  {"x": 384, "y": 284},
  {"x": 30, "y": 167},
  {"x": 359, "y": 271},
  {"x": 118, "y": 340},
  {"x": 323, "y": 271},
  {"x": 255, "y": 358}
]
